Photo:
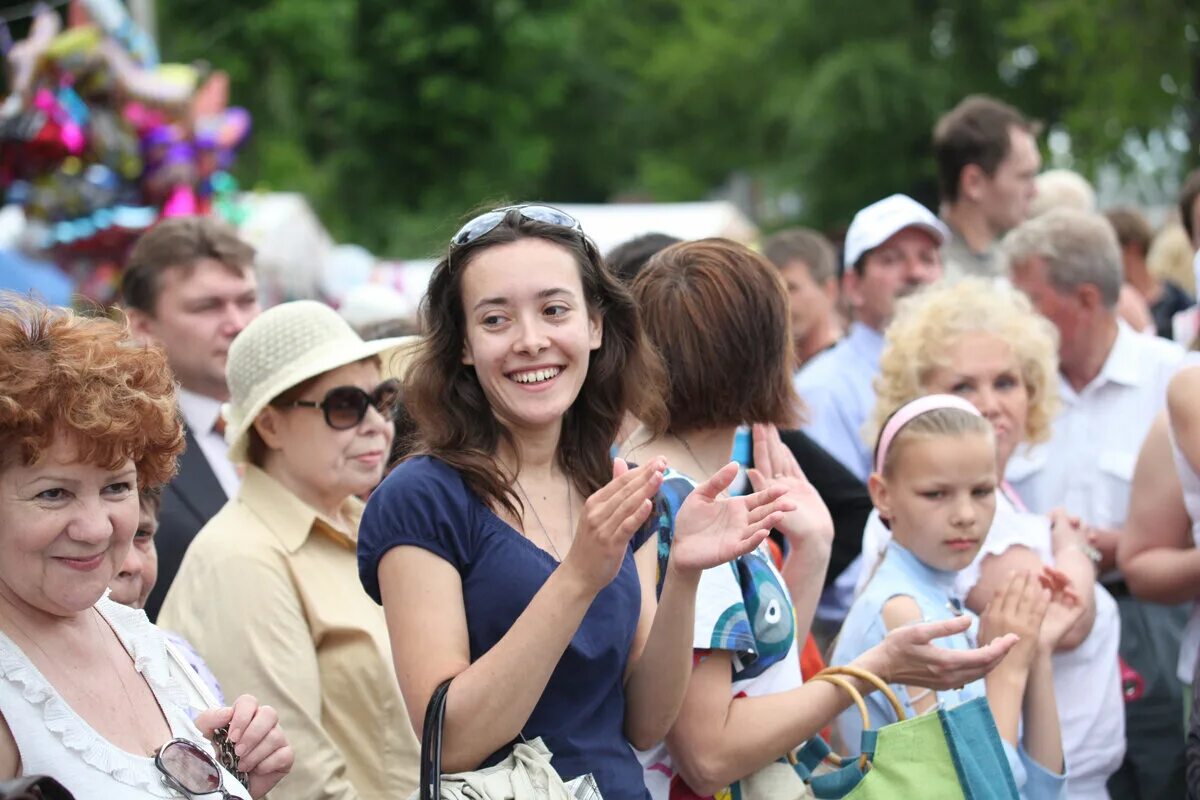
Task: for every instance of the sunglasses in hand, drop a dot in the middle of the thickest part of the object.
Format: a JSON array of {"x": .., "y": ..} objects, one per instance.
[
  {"x": 188, "y": 769},
  {"x": 346, "y": 406}
]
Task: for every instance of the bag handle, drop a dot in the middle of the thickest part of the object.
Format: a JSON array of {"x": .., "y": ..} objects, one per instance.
[
  {"x": 189, "y": 674},
  {"x": 835, "y": 675},
  {"x": 874, "y": 680},
  {"x": 431, "y": 743},
  {"x": 864, "y": 762}
]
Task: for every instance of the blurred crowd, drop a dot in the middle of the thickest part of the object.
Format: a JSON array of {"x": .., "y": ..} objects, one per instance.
[{"x": 613, "y": 517}]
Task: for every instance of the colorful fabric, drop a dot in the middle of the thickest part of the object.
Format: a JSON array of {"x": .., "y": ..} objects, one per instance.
[{"x": 742, "y": 607}]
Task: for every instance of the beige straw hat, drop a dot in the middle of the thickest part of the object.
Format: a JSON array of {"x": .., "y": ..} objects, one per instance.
[{"x": 284, "y": 346}]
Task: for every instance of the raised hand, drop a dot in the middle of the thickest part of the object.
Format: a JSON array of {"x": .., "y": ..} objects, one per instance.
[
  {"x": 262, "y": 749},
  {"x": 1064, "y": 610},
  {"x": 1066, "y": 529},
  {"x": 711, "y": 529},
  {"x": 775, "y": 466},
  {"x": 1018, "y": 608},
  {"x": 908, "y": 656},
  {"x": 610, "y": 518}
]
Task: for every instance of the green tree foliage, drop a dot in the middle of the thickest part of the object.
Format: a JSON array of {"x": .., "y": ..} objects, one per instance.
[{"x": 396, "y": 119}]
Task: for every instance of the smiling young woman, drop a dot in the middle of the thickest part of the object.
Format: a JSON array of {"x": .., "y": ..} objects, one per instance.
[{"x": 512, "y": 548}]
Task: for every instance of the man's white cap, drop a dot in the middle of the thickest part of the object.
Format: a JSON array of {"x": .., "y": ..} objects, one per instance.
[{"x": 880, "y": 221}]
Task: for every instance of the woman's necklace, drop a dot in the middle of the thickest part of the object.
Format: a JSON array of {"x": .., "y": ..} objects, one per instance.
[
  {"x": 704, "y": 473},
  {"x": 542, "y": 525},
  {"x": 101, "y": 624}
]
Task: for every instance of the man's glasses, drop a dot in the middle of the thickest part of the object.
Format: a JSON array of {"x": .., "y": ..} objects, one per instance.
[
  {"x": 486, "y": 223},
  {"x": 345, "y": 406},
  {"x": 186, "y": 768}
]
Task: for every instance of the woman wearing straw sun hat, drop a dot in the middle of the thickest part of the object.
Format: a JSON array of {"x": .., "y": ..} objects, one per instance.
[{"x": 268, "y": 592}]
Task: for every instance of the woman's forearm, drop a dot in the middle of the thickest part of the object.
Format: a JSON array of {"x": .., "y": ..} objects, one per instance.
[
  {"x": 658, "y": 682},
  {"x": 714, "y": 753},
  {"x": 804, "y": 574},
  {"x": 490, "y": 701},
  {"x": 1163, "y": 574}
]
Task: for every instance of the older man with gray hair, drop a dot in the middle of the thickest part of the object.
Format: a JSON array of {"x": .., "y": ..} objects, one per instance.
[{"x": 1112, "y": 382}]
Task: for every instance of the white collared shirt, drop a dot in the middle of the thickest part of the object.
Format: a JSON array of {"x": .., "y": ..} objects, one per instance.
[
  {"x": 1087, "y": 466},
  {"x": 201, "y": 414}
]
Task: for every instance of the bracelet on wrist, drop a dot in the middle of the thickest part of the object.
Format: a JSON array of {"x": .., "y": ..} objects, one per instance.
[{"x": 1093, "y": 554}]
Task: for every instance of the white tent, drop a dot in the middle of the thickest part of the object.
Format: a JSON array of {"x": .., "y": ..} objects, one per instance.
[{"x": 613, "y": 223}]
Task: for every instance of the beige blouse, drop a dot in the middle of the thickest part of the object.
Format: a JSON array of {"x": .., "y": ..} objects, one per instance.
[{"x": 269, "y": 595}]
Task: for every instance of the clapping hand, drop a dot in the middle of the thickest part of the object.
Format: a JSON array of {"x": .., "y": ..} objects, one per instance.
[
  {"x": 262, "y": 749},
  {"x": 611, "y": 516},
  {"x": 711, "y": 529},
  {"x": 1019, "y": 608},
  {"x": 1064, "y": 610},
  {"x": 776, "y": 467}
]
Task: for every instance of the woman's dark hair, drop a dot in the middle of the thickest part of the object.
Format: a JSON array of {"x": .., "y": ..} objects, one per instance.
[
  {"x": 717, "y": 312},
  {"x": 629, "y": 258},
  {"x": 452, "y": 415}
]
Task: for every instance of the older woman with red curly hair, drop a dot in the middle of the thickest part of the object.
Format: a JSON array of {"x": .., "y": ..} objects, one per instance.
[{"x": 88, "y": 692}]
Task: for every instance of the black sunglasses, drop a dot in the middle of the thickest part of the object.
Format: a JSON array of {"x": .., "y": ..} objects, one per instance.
[
  {"x": 345, "y": 406},
  {"x": 188, "y": 769}
]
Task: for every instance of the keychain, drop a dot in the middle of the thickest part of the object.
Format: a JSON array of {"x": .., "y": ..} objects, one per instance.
[{"x": 227, "y": 756}]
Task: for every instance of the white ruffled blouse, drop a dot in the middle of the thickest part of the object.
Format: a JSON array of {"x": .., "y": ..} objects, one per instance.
[{"x": 53, "y": 740}]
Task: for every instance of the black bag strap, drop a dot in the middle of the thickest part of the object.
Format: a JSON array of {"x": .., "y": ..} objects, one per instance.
[
  {"x": 431, "y": 743},
  {"x": 33, "y": 787}
]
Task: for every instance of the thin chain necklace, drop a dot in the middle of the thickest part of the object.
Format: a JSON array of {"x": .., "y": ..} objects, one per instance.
[
  {"x": 542, "y": 525},
  {"x": 98, "y": 624},
  {"x": 703, "y": 470}
]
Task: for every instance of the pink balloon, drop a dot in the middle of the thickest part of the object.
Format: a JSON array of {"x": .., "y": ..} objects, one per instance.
[{"x": 181, "y": 203}]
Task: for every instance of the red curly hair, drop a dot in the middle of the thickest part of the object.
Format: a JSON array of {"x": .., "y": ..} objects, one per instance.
[{"x": 85, "y": 377}]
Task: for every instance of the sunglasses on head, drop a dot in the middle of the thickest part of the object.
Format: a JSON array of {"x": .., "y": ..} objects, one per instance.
[
  {"x": 345, "y": 406},
  {"x": 486, "y": 223}
]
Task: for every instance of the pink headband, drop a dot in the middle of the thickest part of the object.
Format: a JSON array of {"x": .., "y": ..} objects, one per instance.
[{"x": 910, "y": 411}]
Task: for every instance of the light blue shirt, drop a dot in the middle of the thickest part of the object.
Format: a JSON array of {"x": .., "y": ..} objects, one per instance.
[
  {"x": 837, "y": 389},
  {"x": 902, "y": 573}
]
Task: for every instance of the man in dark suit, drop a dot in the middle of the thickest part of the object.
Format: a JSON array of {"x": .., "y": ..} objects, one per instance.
[{"x": 189, "y": 286}]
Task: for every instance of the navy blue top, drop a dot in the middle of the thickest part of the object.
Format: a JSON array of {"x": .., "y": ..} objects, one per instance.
[{"x": 581, "y": 715}]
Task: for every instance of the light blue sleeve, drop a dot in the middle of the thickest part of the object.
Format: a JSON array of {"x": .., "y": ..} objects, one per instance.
[
  {"x": 830, "y": 426},
  {"x": 1034, "y": 782}
]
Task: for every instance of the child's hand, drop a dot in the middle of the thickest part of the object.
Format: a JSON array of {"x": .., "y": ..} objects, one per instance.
[
  {"x": 1065, "y": 529},
  {"x": 1064, "y": 611},
  {"x": 1058, "y": 583},
  {"x": 1019, "y": 608}
]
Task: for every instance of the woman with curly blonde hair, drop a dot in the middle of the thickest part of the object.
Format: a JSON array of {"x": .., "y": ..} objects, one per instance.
[
  {"x": 88, "y": 691},
  {"x": 985, "y": 343}
]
